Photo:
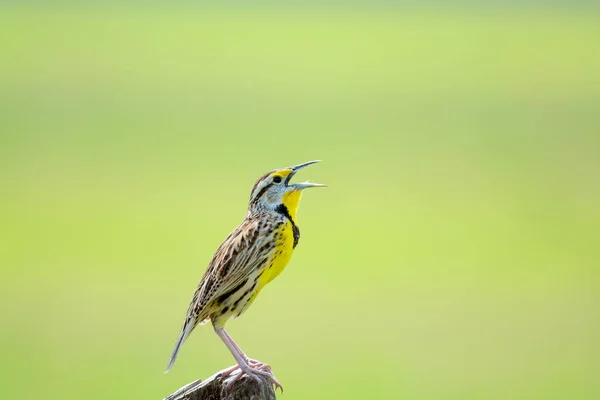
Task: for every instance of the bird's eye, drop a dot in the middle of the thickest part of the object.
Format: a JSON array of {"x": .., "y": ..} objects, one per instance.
[{"x": 277, "y": 179}]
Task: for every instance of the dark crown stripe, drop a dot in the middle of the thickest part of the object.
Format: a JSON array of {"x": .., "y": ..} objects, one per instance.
[
  {"x": 259, "y": 181},
  {"x": 262, "y": 178}
]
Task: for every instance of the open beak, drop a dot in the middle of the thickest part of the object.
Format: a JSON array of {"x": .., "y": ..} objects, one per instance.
[{"x": 301, "y": 185}]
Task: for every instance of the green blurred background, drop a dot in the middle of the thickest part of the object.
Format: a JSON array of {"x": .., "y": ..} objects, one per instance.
[{"x": 455, "y": 254}]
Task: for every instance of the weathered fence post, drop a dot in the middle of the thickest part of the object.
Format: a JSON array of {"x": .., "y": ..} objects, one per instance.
[{"x": 213, "y": 388}]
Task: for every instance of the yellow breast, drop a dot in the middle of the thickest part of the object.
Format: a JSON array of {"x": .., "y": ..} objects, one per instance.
[
  {"x": 281, "y": 255},
  {"x": 285, "y": 240}
]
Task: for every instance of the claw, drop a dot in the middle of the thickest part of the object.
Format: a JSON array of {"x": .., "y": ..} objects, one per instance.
[{"x": 255, "y": 369}]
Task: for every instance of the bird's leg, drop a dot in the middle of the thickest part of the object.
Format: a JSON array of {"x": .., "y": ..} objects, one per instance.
[
  {"x": 246, "y": 365},
  {"x": 243, "y": 362},
  {"x": 252, "y": 362}
]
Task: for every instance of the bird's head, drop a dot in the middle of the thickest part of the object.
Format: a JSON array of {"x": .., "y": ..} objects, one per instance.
[{"x": 274, "y": 189}]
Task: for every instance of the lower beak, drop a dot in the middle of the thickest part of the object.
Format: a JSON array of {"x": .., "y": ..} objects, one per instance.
[
  {"x": 302, "y": 185},
  {"x": 305, "y": 185}
]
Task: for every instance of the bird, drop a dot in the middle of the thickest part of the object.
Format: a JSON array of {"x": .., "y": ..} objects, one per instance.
[{"x": 253, "y": 254}]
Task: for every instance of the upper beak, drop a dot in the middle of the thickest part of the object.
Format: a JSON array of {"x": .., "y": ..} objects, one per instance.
[{"x": 301, "y": 185}]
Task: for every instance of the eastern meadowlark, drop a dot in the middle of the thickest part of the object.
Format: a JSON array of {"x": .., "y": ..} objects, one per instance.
[{"x": 253, "y": 255}]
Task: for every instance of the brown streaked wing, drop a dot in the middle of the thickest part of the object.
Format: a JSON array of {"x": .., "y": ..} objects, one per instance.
[
  {"x": 244, "y": 257},
  {"x": 232, "y": 262}
]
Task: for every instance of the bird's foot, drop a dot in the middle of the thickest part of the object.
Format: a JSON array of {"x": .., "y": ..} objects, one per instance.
[
  {"x": 264, "y": 370},
  {"x": 254, "y": 369},
  {"x": 226, "y": 373},
  {"x": 255, "y": 364}
]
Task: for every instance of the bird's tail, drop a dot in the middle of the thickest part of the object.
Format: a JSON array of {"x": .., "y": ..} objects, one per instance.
[{"x": 185, "y": 331}]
